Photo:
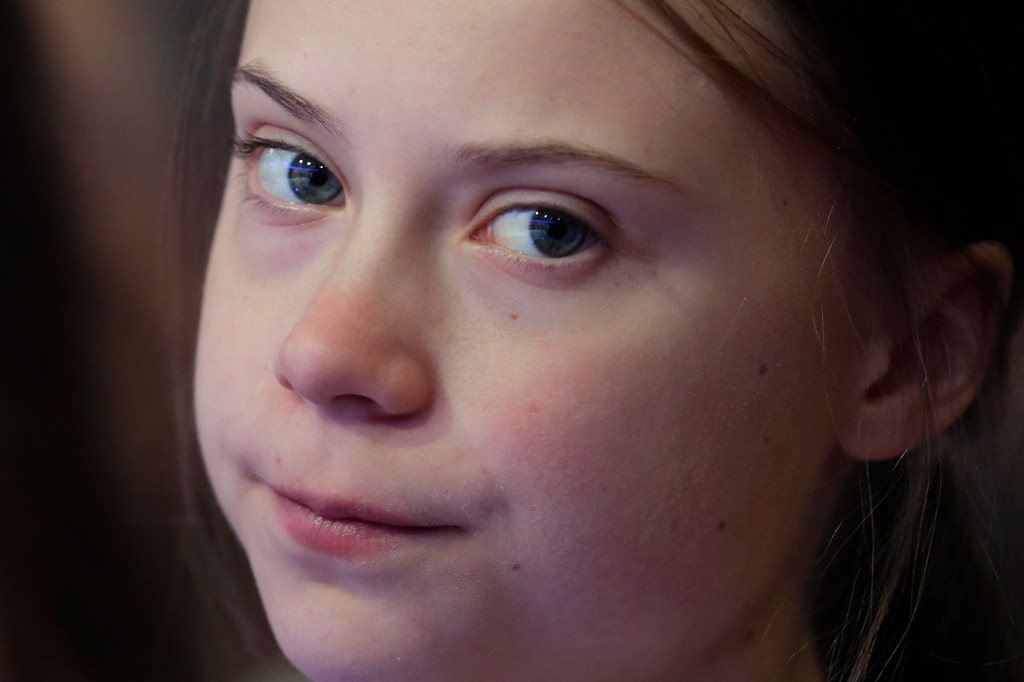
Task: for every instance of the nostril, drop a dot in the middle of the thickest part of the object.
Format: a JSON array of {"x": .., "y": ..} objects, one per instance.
[{"x": 355, "y": 401}]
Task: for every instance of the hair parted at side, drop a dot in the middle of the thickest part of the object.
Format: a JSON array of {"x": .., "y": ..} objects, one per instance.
[{"x": 918, "y": 105}]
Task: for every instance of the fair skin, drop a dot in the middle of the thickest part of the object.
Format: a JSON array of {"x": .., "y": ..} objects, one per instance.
[{"x": 615, "y": 464}]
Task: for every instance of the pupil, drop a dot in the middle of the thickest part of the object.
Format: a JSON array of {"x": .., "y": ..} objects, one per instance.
[
  {"x": 311, "y": 182},
  {"x": 318, "y": 177},
  {"x": 556, "y": 234}
]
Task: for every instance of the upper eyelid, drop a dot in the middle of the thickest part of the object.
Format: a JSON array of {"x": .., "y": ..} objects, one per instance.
[
  {"x": 254, "y": 88},
  {"x": 597, "y": 218},
  {"x": 245, "y": 145}
]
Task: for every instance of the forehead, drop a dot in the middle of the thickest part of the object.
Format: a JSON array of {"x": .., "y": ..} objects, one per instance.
[
  {"x": 752, "y": 36},
  {"x": 530, "y": 30}
]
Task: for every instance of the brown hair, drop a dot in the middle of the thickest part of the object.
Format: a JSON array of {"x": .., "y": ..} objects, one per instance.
[
  {"x": 203, "y": 148},
  {"x": 918, "y": 104}
]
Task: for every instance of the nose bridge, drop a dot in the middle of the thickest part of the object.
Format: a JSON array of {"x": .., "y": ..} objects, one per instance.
[
  {"x": 359, "y": 341},
  {"x": 386, "y": 249},
  {"x": 384, "y": 267}
]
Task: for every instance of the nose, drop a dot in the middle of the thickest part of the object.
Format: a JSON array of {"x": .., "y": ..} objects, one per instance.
[{"x": 351, "y": 351}]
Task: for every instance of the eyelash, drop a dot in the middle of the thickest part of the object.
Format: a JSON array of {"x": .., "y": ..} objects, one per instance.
[{"x": 246, "y": 146}]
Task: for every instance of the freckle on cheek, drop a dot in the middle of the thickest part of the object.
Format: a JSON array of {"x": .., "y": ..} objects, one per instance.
[
  {"x": 515, "y": 567},
  {"x": 533, "y": 408},
  {"x": 514, "y": 316},
  {"x": 721, "y": 526},
  {"x": 762, "y": 370}
]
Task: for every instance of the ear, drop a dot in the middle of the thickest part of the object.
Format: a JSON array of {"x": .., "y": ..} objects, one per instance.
[{"x": 920, "y": 376}]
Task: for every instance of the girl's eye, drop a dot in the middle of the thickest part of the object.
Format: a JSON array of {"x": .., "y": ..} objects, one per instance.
[
  {"x": 543, "y": 232},
  {"x": 297, "y": 177}
]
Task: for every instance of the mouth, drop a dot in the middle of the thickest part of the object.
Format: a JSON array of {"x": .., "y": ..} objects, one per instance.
[{"x": 354, "y": 530}]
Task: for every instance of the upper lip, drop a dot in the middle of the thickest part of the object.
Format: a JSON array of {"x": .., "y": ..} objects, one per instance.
[{"x": 335, "y": 509}]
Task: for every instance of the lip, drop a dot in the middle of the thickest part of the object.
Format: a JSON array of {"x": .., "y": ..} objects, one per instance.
[{"x": 353, "y": 530}]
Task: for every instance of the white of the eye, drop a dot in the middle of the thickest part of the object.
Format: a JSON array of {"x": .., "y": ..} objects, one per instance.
[
  {"x": 274, "y": 166},
  {"x": 511, "y": 229}
]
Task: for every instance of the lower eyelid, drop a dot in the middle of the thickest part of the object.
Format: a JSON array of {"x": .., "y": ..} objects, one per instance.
[
  {"x": 274, "y": 210},
  {"x": 551, "y": 272},
  {"x": 276, "y": 213}
]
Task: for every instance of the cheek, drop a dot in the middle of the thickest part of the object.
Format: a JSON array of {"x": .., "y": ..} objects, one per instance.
[
  {"x": 234, "y": 369},
  {"x": 643, "y": 466}
]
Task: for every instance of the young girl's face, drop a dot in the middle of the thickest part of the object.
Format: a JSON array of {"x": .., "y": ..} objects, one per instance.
[{"x": 536, "y": 377}]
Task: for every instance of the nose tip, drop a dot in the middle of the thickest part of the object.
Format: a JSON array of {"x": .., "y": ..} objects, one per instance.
[{"x": 338, "y": 360}]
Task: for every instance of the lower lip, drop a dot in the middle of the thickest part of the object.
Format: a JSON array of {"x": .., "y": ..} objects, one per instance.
[{"x": 347, "y": 538}]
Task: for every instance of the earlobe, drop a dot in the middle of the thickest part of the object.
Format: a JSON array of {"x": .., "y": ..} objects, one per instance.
[{"x": 920, "y": 377}]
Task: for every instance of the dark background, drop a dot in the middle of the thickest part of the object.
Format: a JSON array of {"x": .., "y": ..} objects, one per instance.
[{"x": 95, "y": 579}]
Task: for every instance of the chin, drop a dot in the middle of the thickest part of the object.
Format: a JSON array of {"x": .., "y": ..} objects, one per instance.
[
  {"x": 331, "y": 634},
  {"x": 343, "y": 650}
]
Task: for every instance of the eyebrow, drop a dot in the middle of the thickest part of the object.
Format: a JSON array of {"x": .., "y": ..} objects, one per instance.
[
  {"x": 559, "y": 153},
  {"x": 474, "y": 156},
  {"x": 294, "y": 103}
]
